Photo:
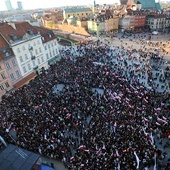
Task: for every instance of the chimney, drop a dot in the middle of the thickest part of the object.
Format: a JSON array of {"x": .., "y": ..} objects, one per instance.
[{"x": 12, "y": 24}]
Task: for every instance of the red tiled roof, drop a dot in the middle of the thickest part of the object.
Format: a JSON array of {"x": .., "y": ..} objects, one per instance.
[
  {"x": 45, "y": 33},
  {"x": 21, "y": 30},
  {"x": 24, "y": 80},
  {"x": 3, "y": 43}
]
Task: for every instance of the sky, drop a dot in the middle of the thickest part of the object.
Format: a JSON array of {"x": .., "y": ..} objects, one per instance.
[{"x": 34, "y": 4}]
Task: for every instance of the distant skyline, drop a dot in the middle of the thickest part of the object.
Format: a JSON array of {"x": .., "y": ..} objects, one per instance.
[{"x": 34, "y": 4}]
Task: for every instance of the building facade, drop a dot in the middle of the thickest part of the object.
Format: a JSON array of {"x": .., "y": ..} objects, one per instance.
[
  {"x": 140, "y": 18},
  {"x": 5, "y": 83},
  {"x": 156, "y": 21},
  {"x": 127, "y": 22},
  {"x": 31, "y": 50},
  {"x": 77, "y": 12},
  {"x": 20, "y": 6},
  {"x": 9, "y": 71},
  {"x": 8, "y": 5}
]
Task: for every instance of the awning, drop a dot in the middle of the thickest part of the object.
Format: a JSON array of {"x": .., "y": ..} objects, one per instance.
[
  {"x": 45, "y": 167},
  {"x": 53, "y": 60},
  {"x": 24, "y": 80},
  {"x": 14, "y": 158}
]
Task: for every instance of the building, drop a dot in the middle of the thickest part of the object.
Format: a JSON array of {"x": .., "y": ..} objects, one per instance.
[
  {"x": 50, "y": 18},
  {"x": 19, "y": 4},
  {"x": 111, "y": 24},
  {"x": 8, "y": 5},
  {"x": 127, "y": 22},
  {"x": 156, "y": 21},
  {"x": 25, "y": 51},
  {"x": 127, "y": 2},
  {"x": 82, "y": 22},
  {"x": 103, "y": 24},
  {"x": 140, "y": 18},
  {"x": 149, "y": 4},
  {"x": 77, "y": 12},
  {"x": 167, "y": 23},
  {"x": 9, "y": 70}
]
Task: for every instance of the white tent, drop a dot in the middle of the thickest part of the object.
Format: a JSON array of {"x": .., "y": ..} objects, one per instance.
[{"x": 155, "y": 32}]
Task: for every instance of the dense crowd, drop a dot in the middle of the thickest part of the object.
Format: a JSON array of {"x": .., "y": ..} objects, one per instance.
[{"x": 85, "y": 129}]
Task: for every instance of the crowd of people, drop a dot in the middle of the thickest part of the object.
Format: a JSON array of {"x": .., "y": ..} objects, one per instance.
[{"x": 85, "y": 129}]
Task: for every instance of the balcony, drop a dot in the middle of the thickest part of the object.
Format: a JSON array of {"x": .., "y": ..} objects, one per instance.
[
  {"x": 33, "y": 57},
  {"x": 30, "y": 48},
  {"x": 36, "y": 67}
]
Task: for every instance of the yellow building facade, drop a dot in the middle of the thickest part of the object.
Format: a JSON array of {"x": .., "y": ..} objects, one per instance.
[
  {"x": 5, "y": 83},
  {"x": 77, "y": 12}
]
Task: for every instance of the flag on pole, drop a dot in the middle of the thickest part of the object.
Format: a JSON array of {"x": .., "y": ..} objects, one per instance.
[{"x": 137, "y": 159}]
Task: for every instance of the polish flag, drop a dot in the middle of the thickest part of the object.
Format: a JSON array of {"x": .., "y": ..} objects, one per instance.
[
  {"x": 145, "y": 100},
  {"x": 157, "y": 124},
  {"x": 81, "y": 147},
  {"x": 71, "y": 158}
]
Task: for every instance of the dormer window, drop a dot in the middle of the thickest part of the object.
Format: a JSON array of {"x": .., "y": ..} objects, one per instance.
[
  {"x": 49, "y": 35},
  {"x": 29, "y": 32},
  {"x": 43, "y": 39},
  {"x": 13, "y": 37},
  {"x": 7, "y": 54}
]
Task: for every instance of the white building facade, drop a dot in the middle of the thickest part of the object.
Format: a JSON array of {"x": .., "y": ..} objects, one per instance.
[
  {"x": 34, "y": 48},
  {"x": 156, "y": 22}
]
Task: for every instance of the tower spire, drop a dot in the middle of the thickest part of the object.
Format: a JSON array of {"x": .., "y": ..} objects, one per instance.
[{"x": 94, "y": 3}]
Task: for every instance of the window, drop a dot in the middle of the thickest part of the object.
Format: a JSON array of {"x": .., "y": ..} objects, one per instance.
[
  {"x": 56, "y": 51},
  {"x": 26, "y": 57},
  {"x": 13, "y": 62},
  {"x": 17, "y": 73},
  {"x": 31, "y": 53},
  {"x": 47, "y": 56},
  {"x": 29, "y": 66},
  {"x": 36, "y": 51},
  {"x": 55, "y": 43},
  {"x": 50, "y": 54},
  {"x": 40, "y": 50},
  {"x": 21, "y": 59},
  {"x": 24, "y": 69},
  {"x": 42, "y": 59},
  {"x": 7, "y": 84},
  {"x": 1, "y": 87},
  {"x": 18, "y": 50},
  {"x": 48, "y": 45},
  {"x": 38, "y": 61},
  {"x": 53, "y": 52},
  {"x": 34, "y": 43},
  {"x": 45, "y": 47},
  {"x": 33, "y": 63},
  {"x": 7, "y": 65},
  {"x": 0, "y": 68},
  {"x": 12, "y": 76},
  {"x": 3, "y": 76},
  {"x": 23, "y": 48}
]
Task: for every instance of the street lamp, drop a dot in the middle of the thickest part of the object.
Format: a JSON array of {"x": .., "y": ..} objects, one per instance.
[{"x": 97, "y": 23}]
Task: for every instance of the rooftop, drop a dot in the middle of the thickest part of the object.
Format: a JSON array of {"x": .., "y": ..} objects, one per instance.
[
  {"x": 76, "y": 9},
  {"x": 15, "y": 158}
]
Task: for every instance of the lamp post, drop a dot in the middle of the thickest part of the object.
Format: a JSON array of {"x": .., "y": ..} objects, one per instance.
[{"x": 97, "y": 23}]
